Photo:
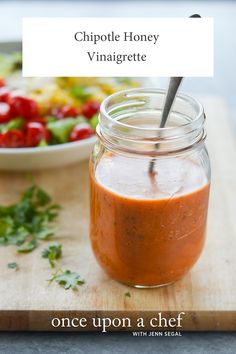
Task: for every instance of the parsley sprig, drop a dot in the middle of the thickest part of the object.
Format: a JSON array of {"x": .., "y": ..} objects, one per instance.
[
  {"x": 13, "y": 265},
  {"x": 67, "y": 278},
  {"x": 127, "y": 294},
  {"x": 52, "y": 252},
  {"x": 27, "y": 222}
]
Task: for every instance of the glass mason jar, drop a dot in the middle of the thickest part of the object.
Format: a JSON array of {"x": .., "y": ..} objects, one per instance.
[{"x": 149, "y": 188}]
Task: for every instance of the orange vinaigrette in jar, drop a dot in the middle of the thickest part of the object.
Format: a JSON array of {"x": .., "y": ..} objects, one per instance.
[{"x": 148, "y": 230}]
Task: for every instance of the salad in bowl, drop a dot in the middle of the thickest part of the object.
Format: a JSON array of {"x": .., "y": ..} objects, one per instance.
[{"x": 49, "y": 122}]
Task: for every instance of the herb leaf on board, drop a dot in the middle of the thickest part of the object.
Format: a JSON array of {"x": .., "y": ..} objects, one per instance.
[
  {"x": 67, "y": 278},
  {"x": 13, "y": 265},
  {"x": 28, "y": 221},
  {"x": 127, "y": 294},
  {"x": 53, "y": 252}
]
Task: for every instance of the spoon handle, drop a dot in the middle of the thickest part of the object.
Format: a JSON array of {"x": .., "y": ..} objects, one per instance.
[
  {"x": 170, "y": 97},
  {"x": 174, "y": 84},
  {"x": 171, "y": 93}
]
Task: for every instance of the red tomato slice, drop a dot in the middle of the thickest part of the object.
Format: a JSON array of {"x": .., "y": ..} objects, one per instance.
[
  {"x": 65, "y": 112},
  {"x": 5, "y": 112},
  {"x": 81, "y": 131},
  {"x": 40, "y": 120},
  {"x": 23, "y": 107},
  {"x": 12, "y": 139},
  {"x": 4, "y": 94},
  {"x": 89, "y": 109},
  {"x": 35, "y": 132}
]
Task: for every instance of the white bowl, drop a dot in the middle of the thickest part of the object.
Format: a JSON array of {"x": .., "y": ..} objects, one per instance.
[{"x": 23, "y": 159}]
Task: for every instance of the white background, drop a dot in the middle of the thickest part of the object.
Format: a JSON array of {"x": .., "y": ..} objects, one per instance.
[
  {"x": 223, "y": 83},
  {"x": 184, "y": 47}
]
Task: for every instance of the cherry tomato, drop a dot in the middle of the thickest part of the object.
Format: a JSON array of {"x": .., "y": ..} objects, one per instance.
[
  {"x": 65, "y": 112},
  {"x": 23, "y": 107},
  {"x": 4, "y": 94},
  {"x": 35, "y": 132},
  {"x": 40, "y": 120},
  {"x": 12, "y": 139},
  {"x": 5, "y": 112},
  {"x": 81, "y": 131},
  {"x": 89, "y": 109},
  {"x": 2, "y": 82}
]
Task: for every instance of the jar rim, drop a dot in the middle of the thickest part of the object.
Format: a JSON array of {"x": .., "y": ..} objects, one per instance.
[{"x": 126, "y": 93}]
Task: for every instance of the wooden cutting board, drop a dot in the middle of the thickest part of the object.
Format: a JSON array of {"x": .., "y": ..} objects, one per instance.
[{"x": 207, "y": 294}]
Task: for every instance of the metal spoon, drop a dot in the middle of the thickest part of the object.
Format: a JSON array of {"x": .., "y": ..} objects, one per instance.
[{"x": 170, "y": 97}]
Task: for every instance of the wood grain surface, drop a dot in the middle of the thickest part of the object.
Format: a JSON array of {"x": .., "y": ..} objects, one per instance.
[{"x": 207, "y": 294}]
